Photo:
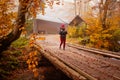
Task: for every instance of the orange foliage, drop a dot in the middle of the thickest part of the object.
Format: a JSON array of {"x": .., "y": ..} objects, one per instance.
[
  {"x": 13, "y": 22},
  {"x": 7, "y": 17},
  {"x": 32, "y": 60},
  {"x": 100, "y": 37}
]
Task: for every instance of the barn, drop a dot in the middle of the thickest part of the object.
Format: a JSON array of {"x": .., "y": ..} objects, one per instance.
[
  {"x": 48, "y": 25},
  {"x": 77, "y": 21},
  {"x": 51, "y": 25}
]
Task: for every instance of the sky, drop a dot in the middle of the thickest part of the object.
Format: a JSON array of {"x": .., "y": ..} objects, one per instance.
[
  {"x": 69, "y": 0},
  {"x": 64, "y": 13},
  {"x": 59, "y": 13}
]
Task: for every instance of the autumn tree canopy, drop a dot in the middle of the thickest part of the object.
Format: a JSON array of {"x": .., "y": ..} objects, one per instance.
[
  {"x": 12, "y": 23},
  {"x": 103, "y": 26}
]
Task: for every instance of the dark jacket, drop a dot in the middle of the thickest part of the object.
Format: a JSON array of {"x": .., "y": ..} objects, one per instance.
[{"x": 63, "y": 33}]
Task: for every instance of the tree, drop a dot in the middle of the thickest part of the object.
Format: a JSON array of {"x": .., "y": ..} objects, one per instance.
[
  {"x": 106, "y": 9},
  {"x": 11, "y": 28},
  {"x": 104, "y": 26}
]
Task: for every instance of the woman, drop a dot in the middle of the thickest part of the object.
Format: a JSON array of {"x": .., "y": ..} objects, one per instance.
[{"x": 63, "y": 34}]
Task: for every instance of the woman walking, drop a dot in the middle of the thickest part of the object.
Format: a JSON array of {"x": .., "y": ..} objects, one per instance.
[{"x": 63, "y": 34}]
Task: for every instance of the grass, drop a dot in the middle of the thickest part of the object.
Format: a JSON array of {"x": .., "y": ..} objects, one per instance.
[
  {"x": 10, "y": 59},
  {"x": 20, "y": 43}
]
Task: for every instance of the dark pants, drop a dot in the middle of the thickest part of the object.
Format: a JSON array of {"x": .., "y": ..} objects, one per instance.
[{"x": 62, "y": 41}]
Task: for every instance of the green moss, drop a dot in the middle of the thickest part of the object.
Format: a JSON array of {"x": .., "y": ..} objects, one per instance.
[
  {"x": 10, "y": 59},
  {"x": 20, "y": 43}
]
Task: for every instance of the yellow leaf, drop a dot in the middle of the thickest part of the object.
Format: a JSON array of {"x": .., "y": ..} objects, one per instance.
[
  {"x": 36, "y": 74},
  {"x": 29, "y": 67},
  {"x": 28, "y": 61},
  {"x": 36, "y": 62}
]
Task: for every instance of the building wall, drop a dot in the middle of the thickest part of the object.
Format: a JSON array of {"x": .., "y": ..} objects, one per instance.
[{"x": 47, "y": 27}]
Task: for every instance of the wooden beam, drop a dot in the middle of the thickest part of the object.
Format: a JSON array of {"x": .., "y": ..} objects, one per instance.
[
  {"x": 75, "y": 68},
  {"x": 56, "y": 62},
  {"x": 96, "y": 51}
]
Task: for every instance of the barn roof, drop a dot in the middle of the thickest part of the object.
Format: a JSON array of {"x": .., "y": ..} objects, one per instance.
[
  {"x": 51, "y": 19},
  {"x": 76, "y": 21}
]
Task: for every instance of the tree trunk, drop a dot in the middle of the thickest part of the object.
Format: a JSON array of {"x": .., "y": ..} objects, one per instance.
[
  {"x": 105, "y": 12},
  {"x": 104, "y": 7},
  {"x": 6, "y": 41}
]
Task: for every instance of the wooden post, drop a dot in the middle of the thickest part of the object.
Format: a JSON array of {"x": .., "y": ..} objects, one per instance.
[{"x": 35, "y": 30}]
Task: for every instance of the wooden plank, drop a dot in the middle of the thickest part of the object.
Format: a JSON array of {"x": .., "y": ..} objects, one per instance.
[
  {"x": 96, "y": 51},
  {"x": 75, "y": 68},
  {"x": 67, "y": 70}
]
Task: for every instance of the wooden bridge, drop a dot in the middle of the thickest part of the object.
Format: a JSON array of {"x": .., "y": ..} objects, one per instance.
[{"x": 80, "y": 63}]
